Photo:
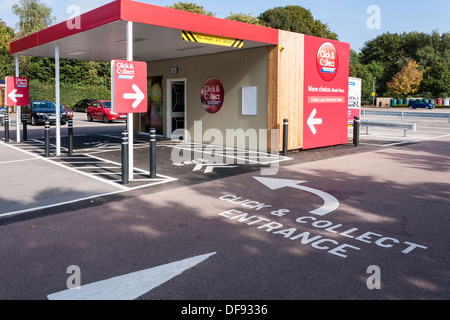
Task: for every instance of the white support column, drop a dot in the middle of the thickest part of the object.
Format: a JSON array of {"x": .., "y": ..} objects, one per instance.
[
  {"x": 18, "y": 108},
  {"x": 57, "y": 102},
  {"x": 130, "y": 115}
]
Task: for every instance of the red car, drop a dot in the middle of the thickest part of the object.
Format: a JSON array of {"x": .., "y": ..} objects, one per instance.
[{"x": 101, "y": 110}]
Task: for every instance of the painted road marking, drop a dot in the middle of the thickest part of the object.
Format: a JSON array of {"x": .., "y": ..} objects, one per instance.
[
  {"x": 330, "y": 202},
  {"x": 240, "y": 155},
  {"x": 132, "y": 285},
  {"x": 116, "y": 183},
  {"x": 14, "y": 161},
  {"x": 209, "y": 167}
]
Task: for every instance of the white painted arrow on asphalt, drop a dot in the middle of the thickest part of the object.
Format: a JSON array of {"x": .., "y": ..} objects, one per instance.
[
  {"x": 312, "y": 122},
  {"x": 12, "y": 95},
  {"x": 129, "y": 286},
  {"x": 138, "y": 96},
  {"x": 209, "y": 167},
  {"x": 330, "y": 202}
]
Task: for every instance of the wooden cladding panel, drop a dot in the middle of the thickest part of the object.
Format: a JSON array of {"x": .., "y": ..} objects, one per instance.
[
  {"x": 272, "y": 100},
  {"x": 286, "y": 88}
]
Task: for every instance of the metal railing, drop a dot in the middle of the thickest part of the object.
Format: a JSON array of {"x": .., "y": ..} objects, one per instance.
[
  {"x": 394, "y": 125},
  {"x": 404, "y": 114}
]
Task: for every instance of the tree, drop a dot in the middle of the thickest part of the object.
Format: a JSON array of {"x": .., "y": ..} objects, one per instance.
[
  {"x": 6, "y": 60},
  {"x": 296, "y": 19},
  {"x": 358, "y": 70},
  {"x": 406, "y": 81},
  {"x": 388, "y": 53},
  {"x": 33, "y": 16},
  {"x": 191, "y": 7},
  {"x": 436, "y": 80},
  {"x": 246, "y": 18}
]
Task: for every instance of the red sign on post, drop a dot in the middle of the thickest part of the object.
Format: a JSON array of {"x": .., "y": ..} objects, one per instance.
[
  {"x": 17, "y": 91},
  {"x": 129, "y": 86},
  {"x": 325, "y": 104}
]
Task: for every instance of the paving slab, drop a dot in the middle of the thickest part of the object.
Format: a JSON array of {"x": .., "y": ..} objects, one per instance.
[{"x": 29, "y": 181}]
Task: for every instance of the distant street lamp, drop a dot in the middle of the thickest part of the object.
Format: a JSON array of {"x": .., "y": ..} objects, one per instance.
[{"x": 373, "y": 92}]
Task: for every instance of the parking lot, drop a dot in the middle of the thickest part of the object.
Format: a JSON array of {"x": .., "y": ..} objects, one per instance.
[
  {"x": 97, "y": 160},
  {"x": 313, "y": 230}
]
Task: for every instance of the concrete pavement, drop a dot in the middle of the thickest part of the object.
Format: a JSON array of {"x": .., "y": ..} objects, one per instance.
[{"x": 29, "y": 181}]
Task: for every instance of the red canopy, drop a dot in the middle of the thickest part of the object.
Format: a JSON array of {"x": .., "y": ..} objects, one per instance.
[{"x": 157, "y": 34}]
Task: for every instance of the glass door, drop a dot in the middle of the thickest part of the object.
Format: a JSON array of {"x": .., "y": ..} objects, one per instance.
[{"x": 176, "y": 106}]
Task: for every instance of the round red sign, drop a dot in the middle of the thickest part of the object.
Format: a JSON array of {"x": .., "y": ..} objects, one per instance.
[
  {"x": 212, "y": 95},
  {"x": 327, "y": 61}
]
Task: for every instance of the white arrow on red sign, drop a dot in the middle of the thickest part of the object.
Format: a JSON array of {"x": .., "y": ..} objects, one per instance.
[
  {"x": 17, "y": 91},
  {"x": 129, "y": 86},
  {"x": 13, "y": 95},
  {"x": 313, "y": 121},
  {"x": 138, "y": 95}
]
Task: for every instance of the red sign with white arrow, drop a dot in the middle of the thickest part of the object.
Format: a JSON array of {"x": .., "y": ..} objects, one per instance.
[
  {"x": 129, "y": 86},
  {"x": 325, "y": 92},
  {"x": 17, "y": 91}
]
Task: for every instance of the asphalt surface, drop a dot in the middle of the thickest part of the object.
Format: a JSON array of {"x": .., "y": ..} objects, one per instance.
[{"x": 387, "y": 204}]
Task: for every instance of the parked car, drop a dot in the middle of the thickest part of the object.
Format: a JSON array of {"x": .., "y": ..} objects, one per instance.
[
  {"x": 101, "y": 110},
  {"x": 82, "y": 105},
  {"x": 419, "y": 104},
  {"x": 38, "y": 111},
  {"x": 3, "y": 111},
  {"x": 68, "y": 111}
]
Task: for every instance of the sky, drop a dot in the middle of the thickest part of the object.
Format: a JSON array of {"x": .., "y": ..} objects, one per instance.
[{"x": 355, "y": 21}]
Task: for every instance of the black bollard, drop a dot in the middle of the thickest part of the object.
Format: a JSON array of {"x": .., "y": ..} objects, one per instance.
[
  {"x": 124, "y": 157},
  {"x": 47, "y": 138},
  {"x": 285, "y": 137},
  {"x": 25, "y": 129},
  {"x": 152, "y": 153},
  {"x": 356, "y": 123},
  {"x": 70, "y": 136},
  {"x": 6, "y": 124}
]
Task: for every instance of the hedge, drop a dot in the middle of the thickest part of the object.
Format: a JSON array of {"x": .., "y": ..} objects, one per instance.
[
  {"x": 69, "y": 93},
  {"x": 407, "y": 106}
]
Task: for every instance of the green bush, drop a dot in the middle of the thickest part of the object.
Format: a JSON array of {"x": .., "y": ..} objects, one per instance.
[
  {"x": 69, "y": 93},
  {"x": 406, "y": 106}
]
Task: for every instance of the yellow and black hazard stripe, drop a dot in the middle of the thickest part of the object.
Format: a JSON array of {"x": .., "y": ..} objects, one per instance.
[
  {"x": 212, "y": 39},
  {"x": 188, "y": 36},
  {"x": 238, "y": 43}
]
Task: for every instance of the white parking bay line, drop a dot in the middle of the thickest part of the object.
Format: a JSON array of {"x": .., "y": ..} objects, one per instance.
[
  {"x": 14, "y": 161},
  {"x": 13, "y": 213},
  {"x": 160, "y": 180},
  {"x": 59, "y": 164},
  {"x": 90, "y": 168}
]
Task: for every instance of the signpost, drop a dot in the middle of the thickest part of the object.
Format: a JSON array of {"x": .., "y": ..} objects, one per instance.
[
  {"x": 17, "y": 95},
  {"x": 129, "y": 95},
  {"x": 325, "y": 92},
  {"x": 354, "y": 98},
  {"x": 17, "y": 91},
  {"x": 129, "y": 86}
]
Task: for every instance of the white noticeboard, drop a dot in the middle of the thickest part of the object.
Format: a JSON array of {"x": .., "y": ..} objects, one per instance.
[
  {"x": 354, "y": 98},
  {"x": 249, "y": 101}
]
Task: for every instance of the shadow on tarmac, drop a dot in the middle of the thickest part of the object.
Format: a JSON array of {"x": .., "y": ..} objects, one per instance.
[{"x": 119, "y": 234}]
